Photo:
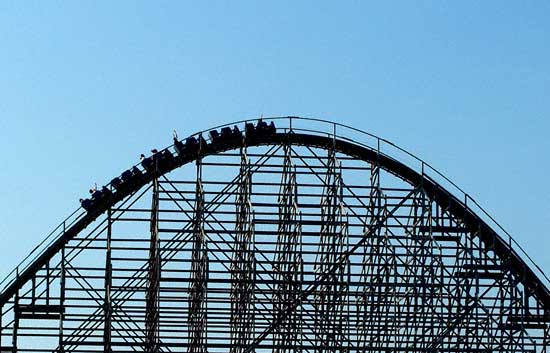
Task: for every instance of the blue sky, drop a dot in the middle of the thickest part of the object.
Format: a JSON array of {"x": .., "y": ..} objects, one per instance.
[{"x": 85, "y": 87}]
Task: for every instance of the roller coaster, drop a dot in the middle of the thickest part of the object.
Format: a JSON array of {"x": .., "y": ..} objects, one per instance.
[{"x": 277, "y": 235}]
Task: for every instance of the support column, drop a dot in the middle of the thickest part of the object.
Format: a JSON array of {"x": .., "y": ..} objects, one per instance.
[
  {"x": 243, "y": 263},
  {"x": 15, "y": 322},
  {"x": 62, "y": 302},
  {"x": 108, "y": 283},
  {"x": 153, "y": 279},
  {"x": 546, "y": 339},
  {"x": 288, "y": 268},
  {"x": 331, "y": 296},
  {"x": 199, "y": 274},
  {"x": 378, "y": 268}
]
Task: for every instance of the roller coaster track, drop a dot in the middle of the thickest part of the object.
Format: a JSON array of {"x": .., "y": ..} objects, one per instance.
[{"x": 492, "y": 297}]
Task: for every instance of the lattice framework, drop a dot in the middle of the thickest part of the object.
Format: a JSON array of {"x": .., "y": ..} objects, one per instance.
[{"x": 283, "y": 248}]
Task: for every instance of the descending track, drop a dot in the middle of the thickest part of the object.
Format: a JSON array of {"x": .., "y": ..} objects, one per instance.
[{"x": 291, "y": 235}]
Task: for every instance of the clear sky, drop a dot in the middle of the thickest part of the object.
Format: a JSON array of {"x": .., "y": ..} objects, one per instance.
[{"x": 85, "y": 87}]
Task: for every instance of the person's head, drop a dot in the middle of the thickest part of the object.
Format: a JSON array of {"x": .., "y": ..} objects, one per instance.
[
  {"x": 91, "y": 191},
  {"x": 80, "y": 200}
]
